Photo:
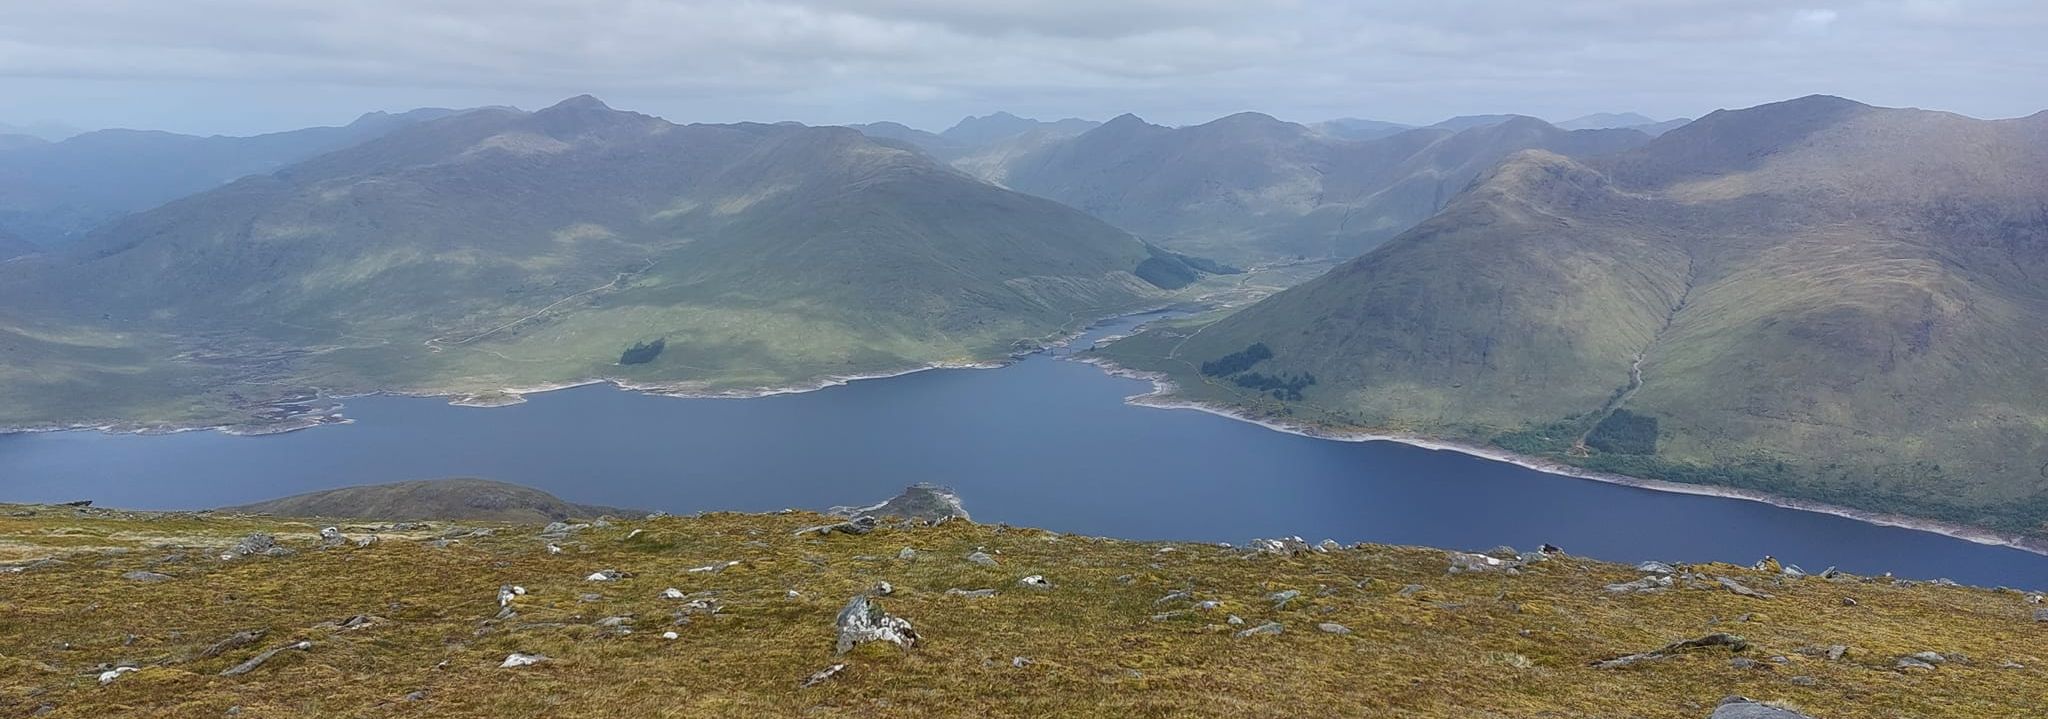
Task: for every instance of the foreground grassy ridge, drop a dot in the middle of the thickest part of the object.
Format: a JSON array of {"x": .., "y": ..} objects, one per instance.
[{"x": 1467, "y": 645}]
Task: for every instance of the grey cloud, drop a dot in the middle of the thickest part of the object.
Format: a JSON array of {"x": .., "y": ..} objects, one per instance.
[{"x": 928, "y": 62}]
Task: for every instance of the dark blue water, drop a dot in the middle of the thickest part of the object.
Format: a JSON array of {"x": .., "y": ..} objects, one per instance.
[{"x": 1044, "y": 443}]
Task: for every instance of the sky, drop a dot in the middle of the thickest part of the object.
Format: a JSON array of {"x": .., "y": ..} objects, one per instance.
[{"x": 247, "y": 66}]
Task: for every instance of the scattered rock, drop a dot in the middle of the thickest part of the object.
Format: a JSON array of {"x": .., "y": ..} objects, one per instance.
[
  {"x": 1021, "y": 662},
  {"x": 1849, "y": 601},
  {"x": 255, "y": 544},
  {"x": 1731, "y": 641},
  {"x": 1035, "y": 581},
  {"x": 604, "y": 575},
  {"x": 331, "y": 536},
  {"x": 1261, "y": 630},
  {"x": 1653, "y": 583},
  {"x": 2041, "y": 615},
  {"x": 554, "y": 549},
  {"x": 1738, "y": 588},
  {"x": 1745, "y": 708},
  {"x": 1929, "y": 657},
  {"x": 144, "y": 576},
  {"x": 855, "y": 526},
  {"x": 1411, "y": 590},
  {"x": 1656, "y": 568},
  {"x": 508, "y": 592},
  {"x": 862, "y": 621},
  {"x": 1171, "y": 597},
  {"x": 1334, "y": 628},
  {"x": 233, "y": 642},
  {"x": 1282, "y": 598},
  {"x": 670, "y": 635},
  {"x": 1330, "y": 545},
  {"x": 907, "y": 554},
  {"x": 260, "y": 659},
  {"x": 1912, "y": 664},
  {"x": 615, "y": 622},
  {"x": 820, "y": 676},
  {"x": 1235, "y": 620},
  {"x": 1285, "y": 547},
  {"x": 517, "y": 659},
  {"x": 1836, "y": 652},
  {"x": 970, "y": 593},
  {"x": 982, "y": 558},
  {"x": 882, "y": 589},
  {"x": 108, "y": 676},
  {"x": 1744, "y": 663},
  {"x": 714, "y": 568},
  {"x": 418, "y": 696},
  {"x": 1462, "y": 562}
]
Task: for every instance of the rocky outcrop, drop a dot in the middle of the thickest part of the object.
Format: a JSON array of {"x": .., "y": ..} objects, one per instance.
[
  {"x": 862, "y": 621},
  {"x": 926, "y": 502}
]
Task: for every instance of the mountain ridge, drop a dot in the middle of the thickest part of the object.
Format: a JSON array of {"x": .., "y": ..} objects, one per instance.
[{"x": 1817, "y": 298}]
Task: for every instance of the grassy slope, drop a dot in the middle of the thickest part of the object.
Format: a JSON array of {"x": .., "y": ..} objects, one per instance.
[
  {"x": 501, "y": 249},
  {"x": 1851, "y": 319},
  {"x": 1465, "y": 646}
]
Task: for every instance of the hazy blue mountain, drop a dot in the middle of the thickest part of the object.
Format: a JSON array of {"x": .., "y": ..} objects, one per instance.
[
  {"x": 1353, "y": 128},
  {"x": 53, "y": 192},
  {"x": 10, "y": 141},
  {"x": 988, "y": 129},
  {"x": 1249, "y": 188},
  {"x": 1467, "y": 122},
  {"x": 46, "y": 131},
  {"x": 1606, "y": 121}
]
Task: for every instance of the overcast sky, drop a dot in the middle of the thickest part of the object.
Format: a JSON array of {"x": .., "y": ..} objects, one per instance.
[{"x": 243, "y": 66}]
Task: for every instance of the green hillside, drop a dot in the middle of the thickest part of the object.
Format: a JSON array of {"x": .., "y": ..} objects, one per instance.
[
  {"x": 1817, "y": 298},
  {"x": 1250, "y": 188},
  {"x": 498, "y": 249}
]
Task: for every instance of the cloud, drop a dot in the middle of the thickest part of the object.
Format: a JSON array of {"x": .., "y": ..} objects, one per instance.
[{"x": 930, "y": 61}]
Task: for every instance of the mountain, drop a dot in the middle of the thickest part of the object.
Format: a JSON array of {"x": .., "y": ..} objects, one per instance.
[
  {"x": 458, "y": 498},
  {"x": 1607, "y": 120},
  {"x": 1817, "y": 298},
  {"x": 930, "y": 142},
  {"x": 1250, "y": 188},
  {"x": 497, "y": 249},
  {"x": 988, "y": 129},
  {"x": 15, "y": 141},
  {"x": 56, "y": 191},
  {"x": 1467, "y": 122},
  {"x": 1352, "y": 128},
  {"x": 418, "y": 621},
  {"x": 47, "y": 131},
  {"x": 1658, "y": 128}
]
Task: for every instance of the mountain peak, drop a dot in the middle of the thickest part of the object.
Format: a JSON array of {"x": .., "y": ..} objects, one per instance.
[{"x": 579, "y": 103}]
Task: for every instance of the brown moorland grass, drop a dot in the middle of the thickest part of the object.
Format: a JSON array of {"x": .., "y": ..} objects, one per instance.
[{"x": 1465, "y": 645}]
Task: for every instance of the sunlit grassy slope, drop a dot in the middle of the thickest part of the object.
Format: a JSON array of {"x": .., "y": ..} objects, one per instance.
[{"x": 1105, "y": 640}]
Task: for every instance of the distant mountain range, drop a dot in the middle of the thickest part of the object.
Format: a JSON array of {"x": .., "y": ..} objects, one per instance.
[
  {"x": 498, "y": 249},
  {"x": 1816, "y": 298},
  {"x": 53, "y": 192},
  {"x": 1249, "y": 188},
  {"x": 976, "y": 134}
]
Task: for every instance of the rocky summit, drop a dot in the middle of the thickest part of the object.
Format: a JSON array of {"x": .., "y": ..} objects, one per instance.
[{"x": 114, "y": 613}]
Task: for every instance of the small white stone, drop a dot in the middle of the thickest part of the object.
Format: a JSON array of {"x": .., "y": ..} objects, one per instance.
[
  {"x": 669, "y": 635},
  {"x": 108, "y": 677},
  {"x": 517, "y": 659}
]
